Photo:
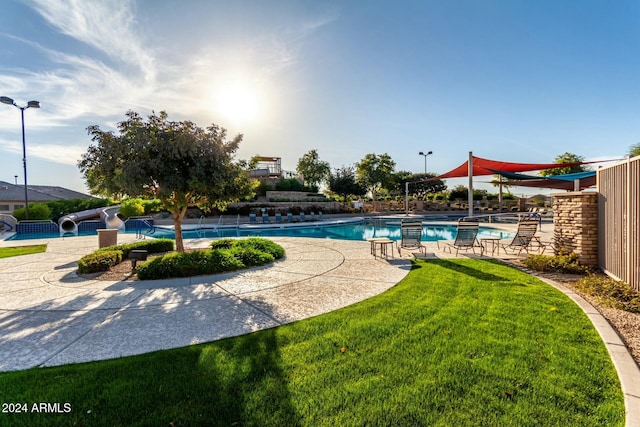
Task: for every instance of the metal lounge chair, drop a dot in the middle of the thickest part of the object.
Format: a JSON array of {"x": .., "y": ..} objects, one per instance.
[
  {"x": 289, "y": 217},
  {"x": 265, "y": 218},
  {"x": 313, "y": 216},
  {"x": 302, "y": 216},
  {"x": 411, "y": 236},
  {"x": 525, "y": 239},
  {"x": 252, "y": 217},
  {"x": 466, "y": 238},
  {"x": 278, "y": 217}
]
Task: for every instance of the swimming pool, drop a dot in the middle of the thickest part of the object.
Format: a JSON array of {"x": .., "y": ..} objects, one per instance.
[{"x": 361, "y": 229}]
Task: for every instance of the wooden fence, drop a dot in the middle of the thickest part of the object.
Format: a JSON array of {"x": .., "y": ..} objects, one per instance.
[{"x": 619, "y": 221}]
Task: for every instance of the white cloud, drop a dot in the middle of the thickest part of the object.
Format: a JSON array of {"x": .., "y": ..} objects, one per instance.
[
  {"x": 62, "y": 154},
  {"x": 106, "y": 25},
  {"x": 127, "y": 71}
]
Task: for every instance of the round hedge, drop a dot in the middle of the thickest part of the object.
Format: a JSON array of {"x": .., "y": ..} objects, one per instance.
[
  {"x": 105, "y": 258},
  {"x": 224, "y": 255}
]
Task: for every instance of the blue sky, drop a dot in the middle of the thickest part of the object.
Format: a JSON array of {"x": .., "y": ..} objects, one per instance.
[{"x": 511, "y": 80}]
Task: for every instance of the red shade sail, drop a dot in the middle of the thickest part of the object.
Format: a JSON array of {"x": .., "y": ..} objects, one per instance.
[{"x": 488, "y": 167}]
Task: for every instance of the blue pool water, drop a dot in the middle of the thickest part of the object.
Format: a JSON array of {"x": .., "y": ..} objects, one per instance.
[{"x": 352, "y": 231}]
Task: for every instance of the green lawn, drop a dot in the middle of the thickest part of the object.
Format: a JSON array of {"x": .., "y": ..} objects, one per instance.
[
  {"x": 459, "y": 342},
  {"x": 22, "y": 250}
]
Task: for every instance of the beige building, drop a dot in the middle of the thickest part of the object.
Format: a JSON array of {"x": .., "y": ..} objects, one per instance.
[{"x": 12, "y": 196}]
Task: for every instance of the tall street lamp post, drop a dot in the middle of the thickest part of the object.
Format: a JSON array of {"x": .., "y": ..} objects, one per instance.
[
  {"x": 428, "y": 153},
  {"x": 30, "y": 104},
  {"x": 406, "y": 184}
]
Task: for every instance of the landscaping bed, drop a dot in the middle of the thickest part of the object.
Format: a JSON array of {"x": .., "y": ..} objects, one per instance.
[{"x": 224, "y": 255}]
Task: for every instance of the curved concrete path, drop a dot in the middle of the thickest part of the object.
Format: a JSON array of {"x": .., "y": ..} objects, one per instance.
[{"x": 50, "y": 316}]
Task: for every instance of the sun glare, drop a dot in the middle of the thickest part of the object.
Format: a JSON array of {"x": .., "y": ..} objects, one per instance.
[{"x": 238, "y": 103}]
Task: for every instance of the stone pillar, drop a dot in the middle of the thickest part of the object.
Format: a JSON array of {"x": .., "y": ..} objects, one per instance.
[{"x": 575, "y": 225}]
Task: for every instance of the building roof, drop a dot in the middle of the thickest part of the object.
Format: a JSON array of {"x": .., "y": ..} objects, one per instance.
[
  {"x": 59, "y": 192},
  {"x": 37, "y": 193}
]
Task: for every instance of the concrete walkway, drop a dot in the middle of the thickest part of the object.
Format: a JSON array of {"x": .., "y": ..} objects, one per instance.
[{"x": 50, "y": 316}]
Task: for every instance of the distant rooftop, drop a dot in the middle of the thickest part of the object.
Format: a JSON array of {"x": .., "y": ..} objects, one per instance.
[{"x": 37, "y": 193}]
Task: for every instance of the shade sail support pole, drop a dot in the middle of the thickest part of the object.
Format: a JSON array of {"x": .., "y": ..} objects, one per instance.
[
  {"x": 406, "y": 198},
  {"x": 500, "y": 193},
  {"x": 470, "y": 196}
]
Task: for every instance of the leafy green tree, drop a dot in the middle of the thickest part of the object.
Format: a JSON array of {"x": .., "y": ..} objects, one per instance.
[
  {"x": 417, "y": 187},
  {"x": 498, "y": 180},
  {"x": 634, "y": 150},
  {"x": 343, "y": 183},
  {"x": 375, "y": 172},
  {"x": 289, "y": 184},
  {"x": 178, "y": 163},
  {"x": 460, "y": 192},
  {"x": 566, "y": 158},
  {"x": 314, "y": 170},
  {"x": 253, "y": 162}
]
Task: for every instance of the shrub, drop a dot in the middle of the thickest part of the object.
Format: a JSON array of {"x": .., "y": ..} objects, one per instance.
[
  {"x": 224, "y": 255},
  {"x": 222, "y": 261},
  {"x": 152, "y": 246},
  {"x": 105, "y": 258},
  {"x": 289, "y": 184},
  {"x": 132, "y": 207},
  {"x": 189, "y": 264},
  {"x": 561, "y": 263},
  {"x": 222, "y": 244},
  {"x": 250, "y": 256},
  {"x": 263, "y": 245},
  {"x": 262, "y": 188},
  {"x": 100, "y": 260},
  {"x": 611, "y": 292},
  {"x": 151, "y": 206},
  {"x": 37, "y": 211},
  {"x": 459, "y": 193},
  {"x": 479, "y": 194}
]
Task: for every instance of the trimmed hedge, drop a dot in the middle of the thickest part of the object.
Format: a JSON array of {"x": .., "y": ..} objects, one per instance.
[
  {"x": 224, "y": 255},
  {"x": 152, "y": 246},
  {"x": 98, "y": 261},
  {"x": 189, "y": 264},
  {"x": 105, "y": 258},
  {"x": 263, "y": 245}
]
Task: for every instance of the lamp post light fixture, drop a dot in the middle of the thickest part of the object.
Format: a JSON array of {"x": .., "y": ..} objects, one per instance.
[
  {"x": 428, "y": 153},
  {"x": 30, "y": 104}
]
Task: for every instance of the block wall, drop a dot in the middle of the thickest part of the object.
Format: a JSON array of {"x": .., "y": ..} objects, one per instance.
[{"x": 575, "y": 225}]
